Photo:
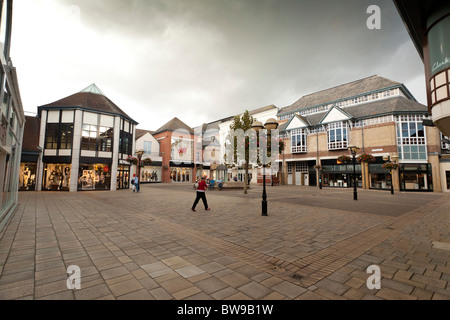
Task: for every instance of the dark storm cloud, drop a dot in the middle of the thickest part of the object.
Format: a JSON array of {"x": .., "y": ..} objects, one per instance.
[{"x": 202, "y": 60}]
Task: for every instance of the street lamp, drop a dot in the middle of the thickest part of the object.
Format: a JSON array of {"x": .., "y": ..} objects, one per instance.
[
  {"x": 139, "y": 154},
  {"x": 271, "y": 124},
  {"x": 353, "y": 150},
  {"x": 388, "y": 158}
]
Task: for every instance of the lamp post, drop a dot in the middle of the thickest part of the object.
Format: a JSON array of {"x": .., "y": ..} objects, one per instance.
[
  {"x": 139, "y": 154},
  {"x": 388, "y": 158},
  {"x": 353, "y": 150},
  {"x": 270, "y": 124}
]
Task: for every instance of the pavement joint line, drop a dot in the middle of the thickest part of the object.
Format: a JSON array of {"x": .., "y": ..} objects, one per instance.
[{"x": 337, "y": 254}]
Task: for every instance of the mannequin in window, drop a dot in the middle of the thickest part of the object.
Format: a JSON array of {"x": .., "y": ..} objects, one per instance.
[{"x": 26, "y": 176}]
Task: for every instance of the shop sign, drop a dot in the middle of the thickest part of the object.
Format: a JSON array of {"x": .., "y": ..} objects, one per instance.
[{"x": 439, "y": 46}]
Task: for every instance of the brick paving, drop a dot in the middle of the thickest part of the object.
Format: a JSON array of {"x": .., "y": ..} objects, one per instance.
[{"x": 314, "y": 244}]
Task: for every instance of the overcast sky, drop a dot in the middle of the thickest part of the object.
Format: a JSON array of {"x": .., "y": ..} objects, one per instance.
[{"x": 203, "y": 60}]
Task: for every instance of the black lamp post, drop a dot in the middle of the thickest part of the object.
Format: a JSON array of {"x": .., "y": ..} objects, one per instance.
[
  {"x": 139, "y": 154},
  {"x": 387, "y": 158},
  {"x": 270, "y": 124},
  {"x": 353, "y": 150}
]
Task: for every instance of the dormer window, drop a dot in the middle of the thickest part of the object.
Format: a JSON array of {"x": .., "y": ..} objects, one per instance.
[
  {"x": 337, "y": 135},
  {"x": 298, "y": 141}
]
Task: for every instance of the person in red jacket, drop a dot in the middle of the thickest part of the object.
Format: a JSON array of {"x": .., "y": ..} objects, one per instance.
[{"x": 201, "y": 194}]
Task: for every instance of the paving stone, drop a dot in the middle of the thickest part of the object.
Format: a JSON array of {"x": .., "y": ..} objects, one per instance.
[
  {"x": 288, "y": 289},
  {"x": 254, "y": 290}
]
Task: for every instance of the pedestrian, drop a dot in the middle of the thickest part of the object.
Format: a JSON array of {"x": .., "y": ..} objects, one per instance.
[
  {"x": 132, "y": 183},
  {"x": 201, "y": 194},
  {"x": 136, "y": 182}
]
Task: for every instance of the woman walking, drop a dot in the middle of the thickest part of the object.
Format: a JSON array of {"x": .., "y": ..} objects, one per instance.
[{"x": 201, "y": 194}]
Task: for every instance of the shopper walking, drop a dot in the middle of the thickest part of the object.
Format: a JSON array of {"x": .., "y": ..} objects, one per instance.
[
  {"x": 136, "y": 182},
  {"x": 201, "y": 194}
]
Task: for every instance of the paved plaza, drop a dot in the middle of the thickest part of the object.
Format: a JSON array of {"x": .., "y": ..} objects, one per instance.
[{"x": 314, "y": 244}]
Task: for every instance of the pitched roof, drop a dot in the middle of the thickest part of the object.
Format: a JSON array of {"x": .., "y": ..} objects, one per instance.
[
  {"x": 174, "y": 124},
  {"x": 347, "y": 90},
  {"x": 90, "y": 98},
  {"x": 31, "y": 134},
  {"x": 141, "y": 132},
  {"x": 394, "y": 105}
]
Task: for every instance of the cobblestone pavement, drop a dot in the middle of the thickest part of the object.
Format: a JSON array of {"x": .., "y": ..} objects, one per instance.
[{"x": 314, "y": 244}]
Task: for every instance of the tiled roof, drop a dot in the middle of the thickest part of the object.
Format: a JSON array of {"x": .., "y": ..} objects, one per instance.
[
  {"x": 141, "y": 132},
  {"x": 394, "y": 105},
  {"x": 88, "y": 99},
  {"x": 347, "y": 90},
  {"x": 31, "y": 133},
  {"x": 174, "y": 124}
]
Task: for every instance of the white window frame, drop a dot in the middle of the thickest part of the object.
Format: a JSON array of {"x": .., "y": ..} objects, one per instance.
[
  {"x": 336, "y": 127},
  {"x": 299, "y": 141}
]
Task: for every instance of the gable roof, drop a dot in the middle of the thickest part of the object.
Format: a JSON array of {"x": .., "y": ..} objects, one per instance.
[
  {"x": 31, "y": 133},
  {"x": 337, "y": 113},
  {"x": 296, "y": 122},
  {"x": 141, "y": 132},
  {"x": 396, "y": 105},
  {"x": 347, "y": 90},
  {"x": 90, "y": 98},
  {"x": 173, "y": 125}
]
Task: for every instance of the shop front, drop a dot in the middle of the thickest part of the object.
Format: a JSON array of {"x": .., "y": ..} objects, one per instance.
[
  {"x": 123, "y": 176},
  {"x": 416, "y": 177},
  {"x": 56, "y": 177},
  {"x": 151, "y": 174},
  {"x": 94, "y": 177},
  {"x": 180, "y": 174},
  {"x": 340, "y": 175},
  {"x": 27, "y": 176},
  {"x": 380, "y": 178}
]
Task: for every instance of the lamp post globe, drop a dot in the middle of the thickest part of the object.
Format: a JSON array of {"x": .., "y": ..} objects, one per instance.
[{"x": 271, "y": 124}]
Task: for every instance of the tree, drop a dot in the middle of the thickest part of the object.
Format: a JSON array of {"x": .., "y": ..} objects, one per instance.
[{"x": 243, "y": 122}]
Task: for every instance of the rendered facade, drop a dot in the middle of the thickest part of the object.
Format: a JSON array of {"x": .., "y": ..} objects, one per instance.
[
  {"x": 376, "y": 114},
  {"x": 85, "y": 140},
  {"x": 12, "y": 119}
]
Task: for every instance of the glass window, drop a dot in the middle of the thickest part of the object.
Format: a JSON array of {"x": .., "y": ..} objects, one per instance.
[
  {"x": 51, "y": 136},
  {"x": 105, "y": 139},
  {"x": 56, "y": 177},
  {"x": 337, "y": 136},
  {"x": 94, "y": 177},
  {"x": 148, "y": 147},
  {"x": 66, "y": 136},
  {"x": 298, "y": 140},
  {"x": 89, "y": 137}
]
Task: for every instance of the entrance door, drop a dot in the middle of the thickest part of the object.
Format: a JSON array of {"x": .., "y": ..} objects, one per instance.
[
  {"x": 298, "y": 179},
  {"x": 290, "y": 178},
  {"x": 305, "y": 177}
]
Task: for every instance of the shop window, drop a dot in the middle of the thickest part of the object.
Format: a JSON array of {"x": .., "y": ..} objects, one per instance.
[
  {"x": 51, "y": 136},
  {"x": 298, "y": 141},
  {"x": 411, "y": 138},
  {"x": 105, "y": 139},
  {"x": 66, "y": 136},
  {"x": 448, "y": 179},
  {"x": 27, "y": 177},
  {"x": 148, "y": 147},
  {"x": 94, "y": 177},
  {"x": 56, "y": 177},
  {"x": 337, "y": 136},
  {"x": 89, "y": 137},
  {"x": 59, "y": 136},
  {"x": 125, "y": 143}
]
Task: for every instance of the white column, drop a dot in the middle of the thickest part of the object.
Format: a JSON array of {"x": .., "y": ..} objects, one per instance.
[
  {"x": 76, "y": 145},
  {"x": 115, "y": 158},
  {"x": 40, "y": 163}
]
